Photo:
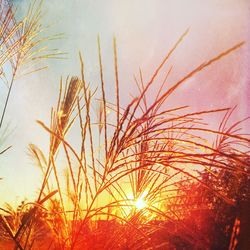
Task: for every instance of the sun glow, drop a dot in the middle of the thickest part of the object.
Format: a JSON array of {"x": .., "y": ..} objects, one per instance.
[{"x": 140, "y": 203}]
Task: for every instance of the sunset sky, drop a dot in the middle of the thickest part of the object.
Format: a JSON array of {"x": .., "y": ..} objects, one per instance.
[{"x": 145, "y": 30}]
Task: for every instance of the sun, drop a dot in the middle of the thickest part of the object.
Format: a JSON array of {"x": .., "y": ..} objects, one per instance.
[{"x": 140, "y": 203}]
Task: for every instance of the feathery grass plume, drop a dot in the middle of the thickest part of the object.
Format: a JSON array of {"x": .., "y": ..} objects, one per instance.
[
  {"x": 22, "y": 47},
  {"x": 61, "y": 121},
  {"x": 61, "y": 118},
  {"x": 21, "y": 44}
]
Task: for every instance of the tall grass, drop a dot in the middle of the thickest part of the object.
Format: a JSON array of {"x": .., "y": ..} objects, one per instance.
[{"x": 145, "y": 153}]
